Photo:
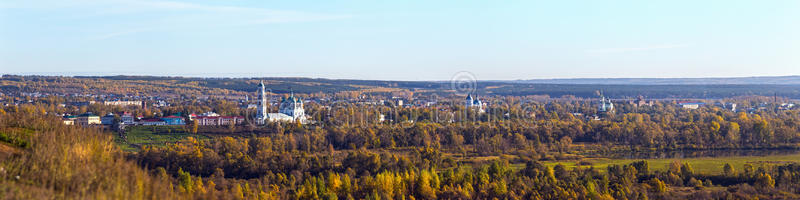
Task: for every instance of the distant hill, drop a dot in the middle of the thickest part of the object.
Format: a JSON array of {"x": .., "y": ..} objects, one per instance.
[
  {"x": 705, "y": 88},
  {"x": 767, "y": 80}
]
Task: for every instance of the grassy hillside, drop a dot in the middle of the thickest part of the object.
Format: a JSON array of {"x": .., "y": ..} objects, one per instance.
[{"x": 69, "y": 162}]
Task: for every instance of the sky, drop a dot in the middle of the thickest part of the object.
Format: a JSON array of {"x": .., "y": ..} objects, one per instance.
[{"x": 401, "y": 40}]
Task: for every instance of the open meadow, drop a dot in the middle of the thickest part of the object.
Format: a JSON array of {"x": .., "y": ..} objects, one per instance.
[
  {"x": 137, "y": 136},
  {"x": 701, "y": 165}
]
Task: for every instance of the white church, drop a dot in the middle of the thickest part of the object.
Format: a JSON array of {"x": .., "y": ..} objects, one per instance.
[
  {"x": 474, "y": 103},
  {"x": 605, "y": 105},
  {"x": 290, "y": 110}
]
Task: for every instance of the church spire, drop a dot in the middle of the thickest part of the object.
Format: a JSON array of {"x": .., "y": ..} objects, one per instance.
[{"x": 262, "y": 108}]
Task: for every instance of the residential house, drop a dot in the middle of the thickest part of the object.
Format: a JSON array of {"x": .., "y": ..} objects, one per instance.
[
  {"x": 173, "y": 120},
  {"x": 69, "y": 120},
  {"x": 152, "y": 122},
  {"x": 86, "y": 119},
  {"x": 107, "y": 119},
  {"x": 126, "y": 118},
  {"x": 640, "y": 101},
  {"x": 691, "y": 105}
]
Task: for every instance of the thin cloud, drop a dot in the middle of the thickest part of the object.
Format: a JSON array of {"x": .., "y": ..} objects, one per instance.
[
  {"x": 169, "y": 15},
  {"x": 638, "y": 49},
  {"x": 174, "y": 5},
  {"x": 120, "y": 33},
  {"x": 259, "y": 15}
]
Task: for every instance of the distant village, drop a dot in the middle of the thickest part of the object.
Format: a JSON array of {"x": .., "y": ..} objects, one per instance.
[{"x": 290, "y": 108}]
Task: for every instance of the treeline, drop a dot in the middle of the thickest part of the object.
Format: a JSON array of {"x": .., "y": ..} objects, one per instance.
[
  {"x": 423, "y": 173},
  {"x": 541, "y": 127},
  {"x": 160, "y": 86},
  {"x": 69, "y": 85},
  {"x": 707, "y": 91}
]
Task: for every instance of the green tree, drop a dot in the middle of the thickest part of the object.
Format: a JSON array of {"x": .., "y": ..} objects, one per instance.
[
  {"x": 658, "y": 185},
  {"x": 185, "y": 181},
  {"x": 764, "y": 180},
  {"x": 686, "y": 170},
  {"x": 695, "y": 183},
  {"x": 728, "y": 170},
  {"x": 423, "y": 185},
  {"x": 195, "y": 125},
  {"x": 237, "y": 191}
]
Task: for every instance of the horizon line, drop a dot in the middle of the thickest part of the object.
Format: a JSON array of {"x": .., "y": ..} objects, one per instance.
[{"x": 275, "y": 75}]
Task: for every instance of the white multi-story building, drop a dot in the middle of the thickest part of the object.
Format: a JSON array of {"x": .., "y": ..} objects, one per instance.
[
  {"x": 123, "y": 103},
  {"x": 209, "y": 114},
  {"x": 218, "y": 120},
  {"x": 690, "y": 105},
  {"x": 86, "y": 119},
  {"x": 126, "y": 118}
]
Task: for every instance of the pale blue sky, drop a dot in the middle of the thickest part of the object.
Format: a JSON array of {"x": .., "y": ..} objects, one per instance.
[{"x": 401, "y": 40}]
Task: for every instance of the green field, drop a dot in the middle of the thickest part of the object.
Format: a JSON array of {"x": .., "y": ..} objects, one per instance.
[
  {"x": 153, "y": 135},
  {"x": 703, "y": 165}
]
